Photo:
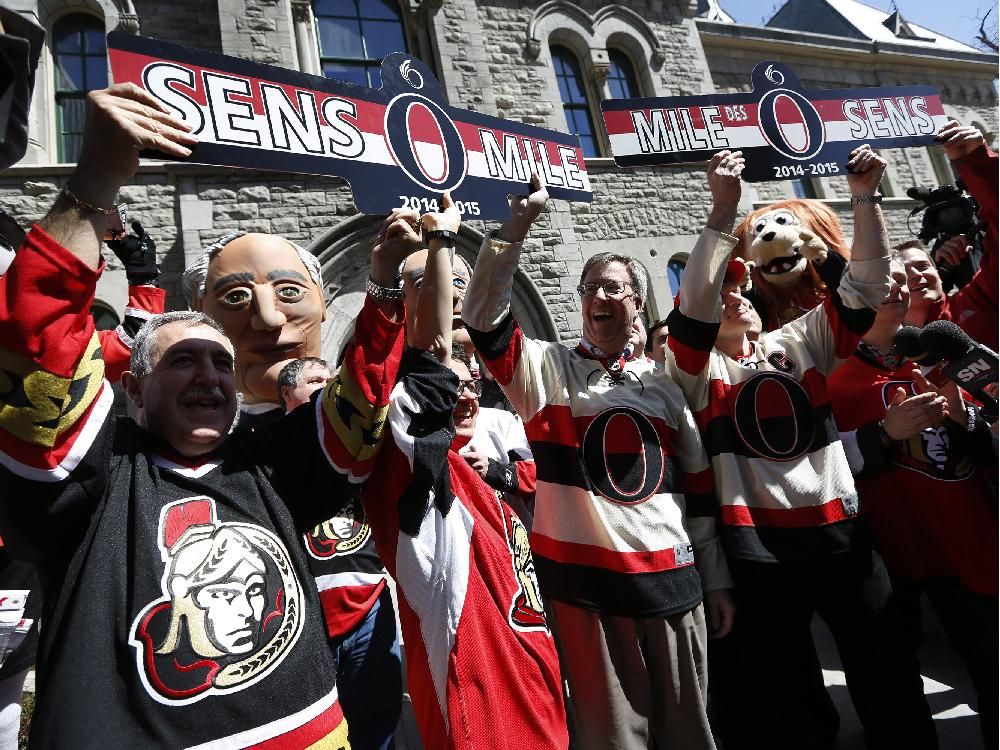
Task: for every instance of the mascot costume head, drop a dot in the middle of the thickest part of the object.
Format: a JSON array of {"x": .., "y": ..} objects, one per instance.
[{"x": 784, "y": 240}]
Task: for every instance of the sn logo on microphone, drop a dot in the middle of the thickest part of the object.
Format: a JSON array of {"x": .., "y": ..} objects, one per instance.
[{"x": 969, "y": 372}]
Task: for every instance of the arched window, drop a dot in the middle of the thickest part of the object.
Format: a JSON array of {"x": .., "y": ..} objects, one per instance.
[
  {"x": 354, "y": 36},
  {"x": 622, "y": 83},
  {"x": 675, "y": 272},
  {"x": 576, "y": 106},
  {"x": 81, "y": 64}
]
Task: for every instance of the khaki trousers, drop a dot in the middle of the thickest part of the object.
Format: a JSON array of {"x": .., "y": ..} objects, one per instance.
[{"x": 634, "y": 683}]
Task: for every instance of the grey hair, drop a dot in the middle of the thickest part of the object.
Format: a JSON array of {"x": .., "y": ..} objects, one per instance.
[
  {"x": 291, "y": 373},
  {"x": 145, "y": 340},
  {"x": 194, "y": 277},
  {"x": 636, "y": 271}
]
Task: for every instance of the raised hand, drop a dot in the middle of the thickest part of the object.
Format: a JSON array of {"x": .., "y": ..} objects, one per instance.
[
  {"x": 724, "y": 170},
  {"x": 137, "y": 252},
  {"x": 864, "y": 171},
  {"x": 122, "y": 121},
  {"x": 524, "y": 209},
  {"x": 958, "y": 139},
  {"x": 448, "y": 218}
]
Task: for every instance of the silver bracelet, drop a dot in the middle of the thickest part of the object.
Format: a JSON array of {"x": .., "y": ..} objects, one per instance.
[
  {"x": 84, "y": 206},
  {"x": 859, "y": 200},
  {"x": 382, "y": 293}
]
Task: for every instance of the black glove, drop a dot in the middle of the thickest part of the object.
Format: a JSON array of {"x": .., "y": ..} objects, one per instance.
[{"x": 138, "y": 253}]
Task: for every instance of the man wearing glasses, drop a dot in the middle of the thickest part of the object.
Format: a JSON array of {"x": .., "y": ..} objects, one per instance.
[{"x": 624, "y": 536}]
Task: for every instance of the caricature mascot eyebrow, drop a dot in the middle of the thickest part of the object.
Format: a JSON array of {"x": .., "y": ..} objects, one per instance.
[{"x": 785, "y": 240}]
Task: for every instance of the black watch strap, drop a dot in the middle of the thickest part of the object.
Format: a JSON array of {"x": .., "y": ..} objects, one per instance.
[{"x": 438, "y": 234}]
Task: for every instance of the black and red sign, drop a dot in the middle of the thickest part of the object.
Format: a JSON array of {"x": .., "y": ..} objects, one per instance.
[
  {"x": 784, "y": 131},
  {"x": 398, "y": 146}
]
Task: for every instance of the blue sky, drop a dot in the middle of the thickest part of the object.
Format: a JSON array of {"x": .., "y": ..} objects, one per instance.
[{"x": 954, "y": 18}]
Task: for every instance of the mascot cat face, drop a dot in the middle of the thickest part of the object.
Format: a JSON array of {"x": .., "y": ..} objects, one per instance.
[{"x": 775, "y": 246}]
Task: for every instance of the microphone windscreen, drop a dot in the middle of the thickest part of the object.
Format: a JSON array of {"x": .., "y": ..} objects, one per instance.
[
  {"x": 907, "y": 343},
  {"x": 945, "y": 339}
]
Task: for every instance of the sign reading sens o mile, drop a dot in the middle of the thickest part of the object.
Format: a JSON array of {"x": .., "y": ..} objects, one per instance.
[
  {"x": 398, "y": 146},
  {"x": 784, "y": 130}
]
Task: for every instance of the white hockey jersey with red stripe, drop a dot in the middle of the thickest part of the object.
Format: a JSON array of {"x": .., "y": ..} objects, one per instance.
[
  {"x": 624, "y": 501},
  {"x": 783, "y": 479}
]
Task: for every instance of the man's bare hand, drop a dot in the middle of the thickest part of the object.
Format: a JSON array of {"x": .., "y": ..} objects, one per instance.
[
  {"x": 724, "y": 170},
  {"x": 122, "y": 121},
  {"x": 864, "y": 170},
  {"x": 959, "y": 140},
  {"x": 951, "y": 393},
  {"x": 398, "y": 238},
  {"x": 952, "y": 251},
  {"x": 907, "y": 417},
  {"x": 720, "y": 611},
  {"x": 524, "y": 209},
  {"x": 479, "y": 462},
  {"x": 448, "y": 218}
]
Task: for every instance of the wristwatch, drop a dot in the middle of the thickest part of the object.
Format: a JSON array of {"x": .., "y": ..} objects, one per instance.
[
  {"x": 496, "y": 244},
  {"x": 437, "y": 234},
  {"x": 859, "y": 200},
  {"x": 382, "y": 293}
]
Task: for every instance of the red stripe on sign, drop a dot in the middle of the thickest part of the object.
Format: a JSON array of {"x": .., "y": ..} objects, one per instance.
[
  {"x": 829, "y": 512},
  {"x": 572, "y": 553}
]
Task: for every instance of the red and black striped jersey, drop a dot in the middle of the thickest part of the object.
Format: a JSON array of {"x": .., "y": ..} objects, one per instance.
[
  {"x": 624, "y": 499},
  {"x": 783, "y": 479}
]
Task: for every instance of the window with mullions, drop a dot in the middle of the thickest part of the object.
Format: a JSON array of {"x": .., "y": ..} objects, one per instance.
[
  {"x": 354, "y": 36},
  {"x": 81, "y": 64},
  {"x": 576, "y": 106},
  {"x": 622, "y": 83}
]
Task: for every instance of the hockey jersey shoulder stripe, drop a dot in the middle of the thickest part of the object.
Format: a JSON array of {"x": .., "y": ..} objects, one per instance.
[
  {"x": 691, "y": 341},
  {"x": 40, "y": 464},
  {"x": 847, "y": 324},
  {"x": 501, "y": 348}
]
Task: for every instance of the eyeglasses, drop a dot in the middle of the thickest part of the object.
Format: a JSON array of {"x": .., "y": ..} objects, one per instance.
[
  {"x": 476, "y": 386},
  {"x": 612, "y": 289}
]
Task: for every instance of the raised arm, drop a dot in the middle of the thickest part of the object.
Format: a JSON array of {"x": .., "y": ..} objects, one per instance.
[
  {"x": 432, "y": 327},
  {"x": 487, "y": 301},
  {"x": 870, "y": 250},
  {"x": 121, "y": 121}
]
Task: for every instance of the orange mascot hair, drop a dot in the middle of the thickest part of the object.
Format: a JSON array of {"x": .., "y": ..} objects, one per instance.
[{"x": 809, "y": 291}]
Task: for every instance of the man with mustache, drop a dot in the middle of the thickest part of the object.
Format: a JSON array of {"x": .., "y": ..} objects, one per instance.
[
  {"x": 105, "y": 504},
  {"x": 266, "y": 293}
]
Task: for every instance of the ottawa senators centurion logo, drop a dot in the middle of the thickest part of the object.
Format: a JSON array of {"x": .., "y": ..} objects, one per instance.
[
  {"x": 526, "y": 610},
  {"x": 231, "y": 608},
  {"x": 344, "y": 534}
]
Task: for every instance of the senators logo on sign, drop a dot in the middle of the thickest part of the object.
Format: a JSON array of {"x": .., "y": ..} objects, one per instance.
[
  {"x": 398, "y": 146},
  {"x": 231, "y": 608},
  {"x": 784, "y": 131}
]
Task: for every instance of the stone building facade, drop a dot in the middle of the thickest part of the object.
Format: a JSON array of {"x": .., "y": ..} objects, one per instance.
[{"x": 496, "y": 56}]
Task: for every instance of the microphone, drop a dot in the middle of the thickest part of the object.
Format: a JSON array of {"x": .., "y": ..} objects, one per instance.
[
  {"x": 969, "y": 363},
  {"x": 907, "y": 342}
]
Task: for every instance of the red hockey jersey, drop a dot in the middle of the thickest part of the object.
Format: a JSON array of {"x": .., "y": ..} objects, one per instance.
[
  {"x": 481, "y": 665},
  {"x": 932, "y": 512}
]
